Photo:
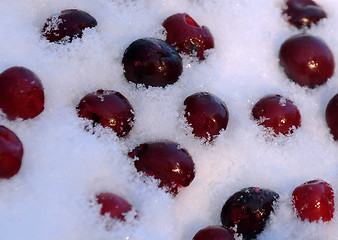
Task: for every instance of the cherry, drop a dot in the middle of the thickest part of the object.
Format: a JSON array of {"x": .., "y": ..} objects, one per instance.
[
  {"x": 187, "y": 36},
  {"x": 314, "y": 201},
  {"x": 332, "y": 116},
  {"x": 277, "y": 113},
  {"x": 214, "y": 233},
  {"x": 11, "y": 152},
  {"x": 67, "y": 25},
  {"x": 165, "y": 161},
  {"x": 303, "y": 13},
  {"x": 21, "y": 93},
  {"x": 108, "y": 108},
  {"x": 306, "y": 60},
  {"x": 206, "y": 114},
  {"x": 152, "y": 62},
  {"x": 113, "y": 205},
  {"x": 248, "y": 210}
]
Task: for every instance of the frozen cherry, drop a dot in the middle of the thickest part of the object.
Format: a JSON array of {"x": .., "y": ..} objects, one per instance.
[
  {"x": 11, "y": 152},
  {"x": 67, "y": 25},
  {"x": 108, "y": 108},
  {"x": 332, "y": 116},
  {"x": 187, "y": 36},
  {"x": 248, "y": 210},
  {"x": 165, "y": 161},
  {"x": 113, "y": 205},
  {"x": 206, "y": 114},
  {"x": 277, "y": 113},
  {"x": 214, "y": 233},
  {"x": 314, "y": 201},
  {"x": 307, "y": 60},
  {"x": 21, "y": 93},
  {"x": 152, "y": 62},
  {"x": 303, "y": 13}
]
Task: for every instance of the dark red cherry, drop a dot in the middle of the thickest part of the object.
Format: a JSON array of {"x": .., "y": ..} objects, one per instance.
[
  {"x": 332, "y": 116},
  {"x": 307, "y": 60},
  {"x": 248, "y": 210},
  {"x": 214, "y": 233},
  {"x": 314, "y": 201},
  {"x": 21, "y": 93},
  {"x": 165, "y": 161},
  {"x": 67, "y": 25},
  {"x": 206, "y": 114},
  {"x": 11, "y": 152},
  {"x": 113, "y": 205},
  {"x": 152, "y": 62},
  {"x": 303, "y": 13},
  {"x": 108, "y": 108},
  {"x": 277, "y": 113},
  {"x": 187, "y": 36}
]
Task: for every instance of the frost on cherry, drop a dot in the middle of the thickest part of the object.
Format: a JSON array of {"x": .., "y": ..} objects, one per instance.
[{"x": 165, "y": 161}]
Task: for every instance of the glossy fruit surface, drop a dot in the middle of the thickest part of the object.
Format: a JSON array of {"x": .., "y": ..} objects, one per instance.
[
  {"x": 248, "y": 210},
  {"x": 332, "y": 116},
  {"x": 213, "y": 233},
  {"x": 206, "y": 114},
  {"x": 11, "y": 152},
  {"x": 113, "y": 205},
  {"x": 306, "y": 60},
  {"x": 21, "y": 93},
  {"x": 187, "y": 36},
  {"x": 152, "y": 62},
  {"x": 66, "y": 26},
  {"x": 108, "y": 108},
  {"x": 314, "y": 201},
  {"x": 277, "y": 113},
  {"x": 303, "y": 13},
  {"x": 165, "y": 161}
]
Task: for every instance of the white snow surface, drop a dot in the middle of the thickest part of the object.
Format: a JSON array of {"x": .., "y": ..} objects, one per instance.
[{"x": 64, "y": 166}]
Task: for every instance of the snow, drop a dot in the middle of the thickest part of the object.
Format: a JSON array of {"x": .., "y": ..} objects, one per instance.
[{"x": 64, "y": 166}]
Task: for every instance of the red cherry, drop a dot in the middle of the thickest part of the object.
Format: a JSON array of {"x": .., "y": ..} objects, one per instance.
[
  {"x": 165, "y": 161},
  {"x": 306, "y": 60},
  {"x": 152, "y": 62},
  {"x": 21, "y": 93},
  {"x": 114, "y": 205},
  {"x": 187, "y": 36},
  {"x": 248, "y": 210},
  {"x": 108, "y": 108},
  {"x": 206, "y": 114},
  {"x": 332, "y": 116},
  {"x": 314, "y": 201},
  {"x": 277, "y": 113},
  {"x": 70, "y": 24},
  {"x": 214, "y": 233},
  {"x": 11, "y": 152},
  {"x": 303, "y": 13}
]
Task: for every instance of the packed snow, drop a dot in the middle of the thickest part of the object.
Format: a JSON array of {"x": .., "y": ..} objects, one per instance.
[{"x": 64, "y": 166}]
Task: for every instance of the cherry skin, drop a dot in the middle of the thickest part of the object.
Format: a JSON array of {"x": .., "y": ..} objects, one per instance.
[
  {"x": 277, "y": 113},
  {"x": 332, "y": 116},
  {"x": 303, "y": 13},
  {"x": 314, "y": 201},
  {"x": 165, "y": 161},
  {"x": 214, "y": 233},
  {"x": 248, "y": 210},
  {"x": 206, "y": 114},
  {"x": 152, "y": 62},
  {"x": 21, "y": 93},
  {"x": 113, "y": 205},
  {"x": 306, "y": 60},
  {"x": 11, "y": 152},
  {"x": 108, "y": 108},
  {"x": 67, "y": 25},
  {"x": 187, "y": 36}
]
